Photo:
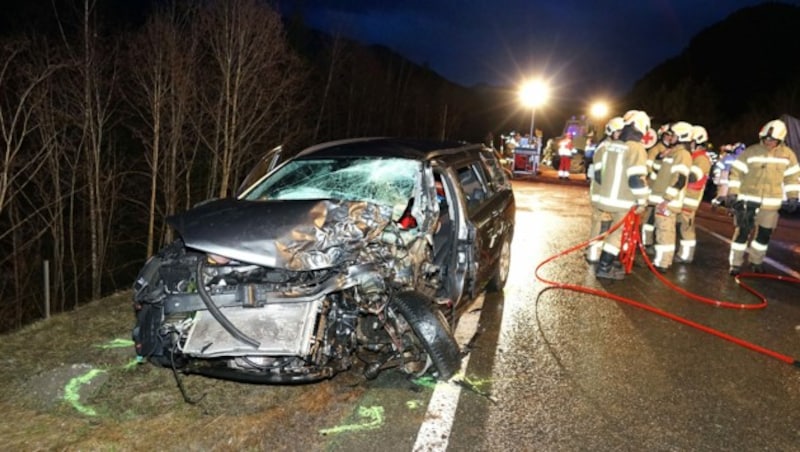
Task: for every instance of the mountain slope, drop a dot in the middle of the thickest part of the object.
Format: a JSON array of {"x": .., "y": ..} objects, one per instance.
[{"x": 733, "y": 75}]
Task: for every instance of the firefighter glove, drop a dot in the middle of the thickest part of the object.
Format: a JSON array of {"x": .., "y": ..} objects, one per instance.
[
  {"x": 730, "y": 200},
  {"x": 791, "y": 205}
]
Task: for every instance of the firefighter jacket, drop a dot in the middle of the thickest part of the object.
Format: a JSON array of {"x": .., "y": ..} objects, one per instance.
[
  {"x": 620, "y": 171},
  {"x": 763, "y": 176},
  {"x": 670, "y": 176},
  {"x": 698, "y": 176},
  {"x": 652, "y": 153}
]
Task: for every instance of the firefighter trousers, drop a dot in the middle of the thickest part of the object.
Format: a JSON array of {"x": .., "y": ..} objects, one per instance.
[
  {"x": 688, "y": 236},
  {"x": 753, "y": 224}
]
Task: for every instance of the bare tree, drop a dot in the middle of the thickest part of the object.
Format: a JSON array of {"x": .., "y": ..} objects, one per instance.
[
  {"x": 161, "y": 66},
  {"x": 250, "y": 85},
  {"x": 16, "y": 121},
  {"x": 89, "y": 106},
  {"x": 24, "y": 78},
  {"x": 335, "y": 56}
]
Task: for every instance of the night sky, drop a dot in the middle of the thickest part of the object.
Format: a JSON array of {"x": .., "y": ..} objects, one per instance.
[{"x": 603, "y": 46}]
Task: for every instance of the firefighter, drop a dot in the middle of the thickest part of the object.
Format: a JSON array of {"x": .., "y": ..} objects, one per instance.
[
  {"x": 668, "y": 181},
  {"x": 648, "y": 217},
  {"x": 619, "y": 184},
  {"x": 601, "y": 221},
  {"x": 724, "y": 169},
  {"x": 759, "y": 178},
  {"x": 698, "y": 176}
]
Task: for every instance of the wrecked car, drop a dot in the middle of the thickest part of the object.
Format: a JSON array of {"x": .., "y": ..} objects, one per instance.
[{"x": 358, "y": 252}]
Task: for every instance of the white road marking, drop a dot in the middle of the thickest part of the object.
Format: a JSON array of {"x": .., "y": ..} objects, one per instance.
[
  {"x": 768, "y": 260},
  {"x": 434, "y": 433}
]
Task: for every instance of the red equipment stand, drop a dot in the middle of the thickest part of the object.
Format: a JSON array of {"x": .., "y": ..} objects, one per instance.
[{"x": 525, "y": 162}]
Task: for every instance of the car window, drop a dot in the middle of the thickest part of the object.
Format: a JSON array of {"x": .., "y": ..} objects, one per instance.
[
  {"x": 481, "y": 170},
  {"x": 497, "y": 177},
  {"x": 473, "y": 188},
  {"x": 386, "y": 181}
]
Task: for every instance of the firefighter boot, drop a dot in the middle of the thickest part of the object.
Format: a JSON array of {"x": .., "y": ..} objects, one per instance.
[{"x": 607, "y": 268}]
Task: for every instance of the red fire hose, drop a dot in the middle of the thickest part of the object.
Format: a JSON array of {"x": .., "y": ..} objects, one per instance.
[{"x": 630, "y": 242}]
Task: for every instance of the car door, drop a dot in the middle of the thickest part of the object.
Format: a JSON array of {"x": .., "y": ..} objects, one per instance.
[
  {"x": 451, "y": 248},
  {"x": 500, "y": 201},
  {"x": 480, "y": 225}
]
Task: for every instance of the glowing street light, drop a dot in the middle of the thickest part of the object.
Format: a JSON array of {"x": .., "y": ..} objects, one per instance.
[
  {"x": 533, "y": 94},
  {"x": 599, "y": 110}
]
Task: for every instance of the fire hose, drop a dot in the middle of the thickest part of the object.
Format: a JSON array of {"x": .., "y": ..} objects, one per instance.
[{"x": 631, "y": 241}]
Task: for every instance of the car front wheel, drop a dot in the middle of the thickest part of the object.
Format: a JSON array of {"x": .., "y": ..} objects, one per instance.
[{"x": 424, "y": 327}]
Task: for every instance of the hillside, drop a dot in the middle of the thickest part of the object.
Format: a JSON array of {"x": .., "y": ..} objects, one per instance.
[
  {"x": 732, "y": 77},
  {"x": 72, "y": 383}
]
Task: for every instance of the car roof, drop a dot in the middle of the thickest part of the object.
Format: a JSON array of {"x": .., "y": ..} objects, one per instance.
[{"x": 416, "y": 149}]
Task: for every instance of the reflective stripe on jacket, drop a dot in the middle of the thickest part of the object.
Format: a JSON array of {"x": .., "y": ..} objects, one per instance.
[
  {"x": 619, "y": 163},
  {"x": 666, "y": 185},
  {"x": 763, "y": 176}
]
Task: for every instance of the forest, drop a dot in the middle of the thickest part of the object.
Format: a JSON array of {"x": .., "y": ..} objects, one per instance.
[{"x": 108, "y": 127}]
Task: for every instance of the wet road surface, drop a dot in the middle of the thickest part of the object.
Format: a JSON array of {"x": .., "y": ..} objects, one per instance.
[
  {"x": 558, "y": 370},
  {"x": 573, "y": 371}
]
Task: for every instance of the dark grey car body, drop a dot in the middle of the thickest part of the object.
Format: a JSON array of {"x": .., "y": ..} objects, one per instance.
[{"x": 342, "y": 251}]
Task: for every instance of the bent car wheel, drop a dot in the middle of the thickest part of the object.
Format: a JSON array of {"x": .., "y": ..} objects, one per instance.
[
  {"x": 431, "y": 330},
  {"x": 502, "y": 266}
]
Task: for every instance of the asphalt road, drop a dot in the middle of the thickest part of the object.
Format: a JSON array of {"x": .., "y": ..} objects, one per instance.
[{"x": 572, "y": 371}]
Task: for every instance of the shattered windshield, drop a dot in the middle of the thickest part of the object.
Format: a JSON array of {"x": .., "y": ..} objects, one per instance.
[{"x": 386, "y": 181}]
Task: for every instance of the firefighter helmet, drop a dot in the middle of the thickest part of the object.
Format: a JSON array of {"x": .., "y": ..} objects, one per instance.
[
  {"x": 649, "y": 138},
  {"x": 639, "y": 120},
  {"x": 682, "y": 130},
  {"x": 699, "y": 135},
  {"x": 614, "y": 124},
  {"x": 775, "y": 129}
]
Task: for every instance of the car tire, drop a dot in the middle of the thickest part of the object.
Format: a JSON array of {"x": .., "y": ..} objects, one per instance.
[
  {"x": 502, "y": 266},
  {"x": 432, "y": 330}
]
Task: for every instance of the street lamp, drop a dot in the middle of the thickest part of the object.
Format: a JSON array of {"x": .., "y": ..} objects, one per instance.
[
  {"x": 533, "y": 94},
  {"x": 599, "y": 110}
]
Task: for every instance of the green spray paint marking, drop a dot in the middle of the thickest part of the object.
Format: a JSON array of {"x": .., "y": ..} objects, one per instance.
[
  {"x": 374, "y": 415},
  {"x": 72, "y": 391},
  {"x": 477, "y": 382},
  {"x": 413, "y": 404},
  {"x": 116, "y": 343},
  {"x": 427, "y": 382},
  {"x": 132, "y": 363}
]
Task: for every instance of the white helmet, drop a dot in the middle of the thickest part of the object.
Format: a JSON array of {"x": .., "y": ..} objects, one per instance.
[
  {"x": 614, "y": 124},
  {"x": 649, "y": 138},
  {"x": 682, "y": 130},
  {"x": 699, "y": 134},
  {"x": 775, "y": 129},
  {"x": 639, "y": 120}
]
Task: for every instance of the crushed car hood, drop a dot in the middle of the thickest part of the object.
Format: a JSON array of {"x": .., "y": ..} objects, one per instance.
[{"x": 291, "y": 234}]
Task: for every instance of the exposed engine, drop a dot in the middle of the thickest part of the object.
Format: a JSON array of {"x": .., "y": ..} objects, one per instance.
[{"x": 207, "y": 314}]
